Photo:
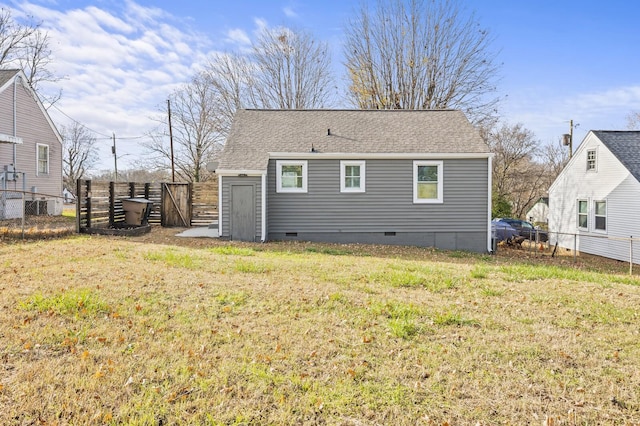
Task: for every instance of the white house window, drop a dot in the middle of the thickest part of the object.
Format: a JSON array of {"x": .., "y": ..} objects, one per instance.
[
  {"x": 583, "y": 216},
  {"x": 591, "y": 159},
  {"x": 352, "y": 176},
  {"x": 427, "y": 182},
  {"x": 291, "y": 176},
  {"x": 43, "y": 159},
  {"x": 601, "y": 215}
]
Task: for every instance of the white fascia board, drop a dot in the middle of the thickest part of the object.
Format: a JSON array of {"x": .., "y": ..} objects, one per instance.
[
  {"x": 376, "y": 156},
  {"x": 240, "y": 172}
]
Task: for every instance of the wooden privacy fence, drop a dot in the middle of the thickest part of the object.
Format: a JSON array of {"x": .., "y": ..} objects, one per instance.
[{"x": 99, "y": 203}]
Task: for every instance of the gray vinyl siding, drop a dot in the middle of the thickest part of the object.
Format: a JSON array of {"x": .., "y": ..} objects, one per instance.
[
  {"x": 324, "y": 213},
  {"x": 227, "y": 181},
  {"x": 33, "y": 128}
]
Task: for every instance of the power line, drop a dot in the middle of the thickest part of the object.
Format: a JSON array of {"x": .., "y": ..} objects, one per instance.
[{"x": 104, "y": 137}]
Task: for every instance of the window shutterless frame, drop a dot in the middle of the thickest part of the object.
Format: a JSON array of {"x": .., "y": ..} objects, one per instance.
[
  {"x": 291, "y": 176},
  {"x": 427, "y": 182},
  {"x": 583, "y": 214},
  {"x": 352, "y": 176},
  {"x": 42, "y": 159}
]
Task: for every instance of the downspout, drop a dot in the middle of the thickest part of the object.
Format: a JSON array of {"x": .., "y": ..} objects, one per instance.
[
  {"x": 15, "y": 118},
  {"x": 263, "y": 221},
  {"x": 220, "y": 205},
  {"x": 489, "y": 201}
]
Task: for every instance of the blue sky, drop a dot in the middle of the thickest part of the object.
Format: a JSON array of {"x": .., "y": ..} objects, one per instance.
[{"x": 561, "y": 60}]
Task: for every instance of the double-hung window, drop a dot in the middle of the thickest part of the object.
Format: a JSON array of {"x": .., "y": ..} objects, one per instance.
[
  {"x": 600, "y": 214},
  {"x": 591, "y": 159},
  {"x": 583, "y": 214},
  {"x": 43, "y": 159},
  {"x": 427, "y": 182},
  {"x": 291, "y": 176},
  {"x": 352, "y": 176}
]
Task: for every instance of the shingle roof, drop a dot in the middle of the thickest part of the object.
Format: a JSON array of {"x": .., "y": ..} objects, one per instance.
[
  {"x": 625, "y": 145},
  {"x": 256, "y": 133},
  {"x": 6, "y": 75}
]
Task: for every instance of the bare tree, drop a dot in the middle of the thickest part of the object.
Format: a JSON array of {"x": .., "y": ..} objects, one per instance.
[
  {"x": 231, "y": 77},
  {"x": 633, "y": 121},
  {"x": 285, "y": 69},
  {"x": 518, "y": 175},
  {"x": 80, "y": 153},
  {"x": 133, "y": 175},
  {"x": 196, "y": 131},
  {"x": 292, "y": 70},
  {"x": 13, "y": 38},
  {"x": 555, "y": 157},
  {"x": 26, "y": 46},
  {"x": 416, "y": 54}
]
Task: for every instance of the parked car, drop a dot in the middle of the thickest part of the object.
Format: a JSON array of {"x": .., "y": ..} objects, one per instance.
[
  {"x": 502, "y": 231},
  {"x": 526, "y": 229}
]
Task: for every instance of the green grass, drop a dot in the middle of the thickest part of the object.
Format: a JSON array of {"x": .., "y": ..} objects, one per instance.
[
  {"x": 233, "y": 251},
  {"x": 175, "y": 259},
  {"x": 79, "y": 302}
]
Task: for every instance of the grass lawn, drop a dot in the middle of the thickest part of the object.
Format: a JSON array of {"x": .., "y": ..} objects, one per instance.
[{"x": 106, "y": 330}]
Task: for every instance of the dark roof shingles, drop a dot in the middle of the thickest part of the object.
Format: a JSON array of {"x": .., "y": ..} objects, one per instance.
[
  {"x": 625, "y": 145},
  {"x": 256, "y": 133}
]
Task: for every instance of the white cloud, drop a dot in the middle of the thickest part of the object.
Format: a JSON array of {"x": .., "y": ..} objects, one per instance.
[
  {"x": 239, "y": 37},
  {"x": 120, "y": 63},
  {"x": 289, "y": 12},
  {"x": 261, "y": 24},
  {"x": 548, "y": 113}
]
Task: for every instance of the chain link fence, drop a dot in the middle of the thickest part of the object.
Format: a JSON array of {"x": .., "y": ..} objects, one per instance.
[{"x": 33, "y": 215}]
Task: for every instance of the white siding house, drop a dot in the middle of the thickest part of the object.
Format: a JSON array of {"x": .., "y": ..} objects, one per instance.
[
  {"x": 539, "y": 213},
  {"x": 597, "y": 196}
]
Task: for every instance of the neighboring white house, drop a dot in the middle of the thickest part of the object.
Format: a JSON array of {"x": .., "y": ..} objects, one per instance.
[
  {"x": 539, "y": 213},
  {"x": 597, "y": 196}
]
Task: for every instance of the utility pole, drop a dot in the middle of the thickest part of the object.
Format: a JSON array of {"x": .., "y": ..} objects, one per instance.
[
  {"x": 567, "y": 138},
  {"x": 115, "y": 157},
  {"x": 173, "y": 168},
  {"x": 570, "y": 138}
]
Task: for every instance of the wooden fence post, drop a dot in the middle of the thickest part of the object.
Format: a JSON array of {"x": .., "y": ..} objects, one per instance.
[
  {"x": 78, "y": 204},
  {"x": 88, "y": 183},
  {"x": 112, "y": 203},
  {"x": 132, "y": 190}
]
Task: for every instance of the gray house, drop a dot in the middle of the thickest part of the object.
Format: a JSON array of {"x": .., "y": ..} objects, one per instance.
[
  {"x": 30, "y": 149},
  {"x": 355, "y": 176}
]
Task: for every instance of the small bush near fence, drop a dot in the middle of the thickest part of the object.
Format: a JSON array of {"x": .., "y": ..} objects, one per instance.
[{"x": 26, "y": 215}]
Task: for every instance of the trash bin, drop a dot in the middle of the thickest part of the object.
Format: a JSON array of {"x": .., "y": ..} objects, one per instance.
[{"x": 136, "y": 211}]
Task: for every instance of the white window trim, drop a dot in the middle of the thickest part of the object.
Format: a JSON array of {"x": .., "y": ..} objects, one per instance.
[
  {"x": 578, "y": 214},
  {"x": 595, "y": 160},
  {"x": 343, "y": 175},
  {"x": 279, "y": 164},
  {"x": 440, "y": 198},
  {"x": 38, "y": 172},
  {"x": 606, "y": 216}
]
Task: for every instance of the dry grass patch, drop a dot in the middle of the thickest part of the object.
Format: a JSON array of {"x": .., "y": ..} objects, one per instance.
[{"x": 106, "y": 330}]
